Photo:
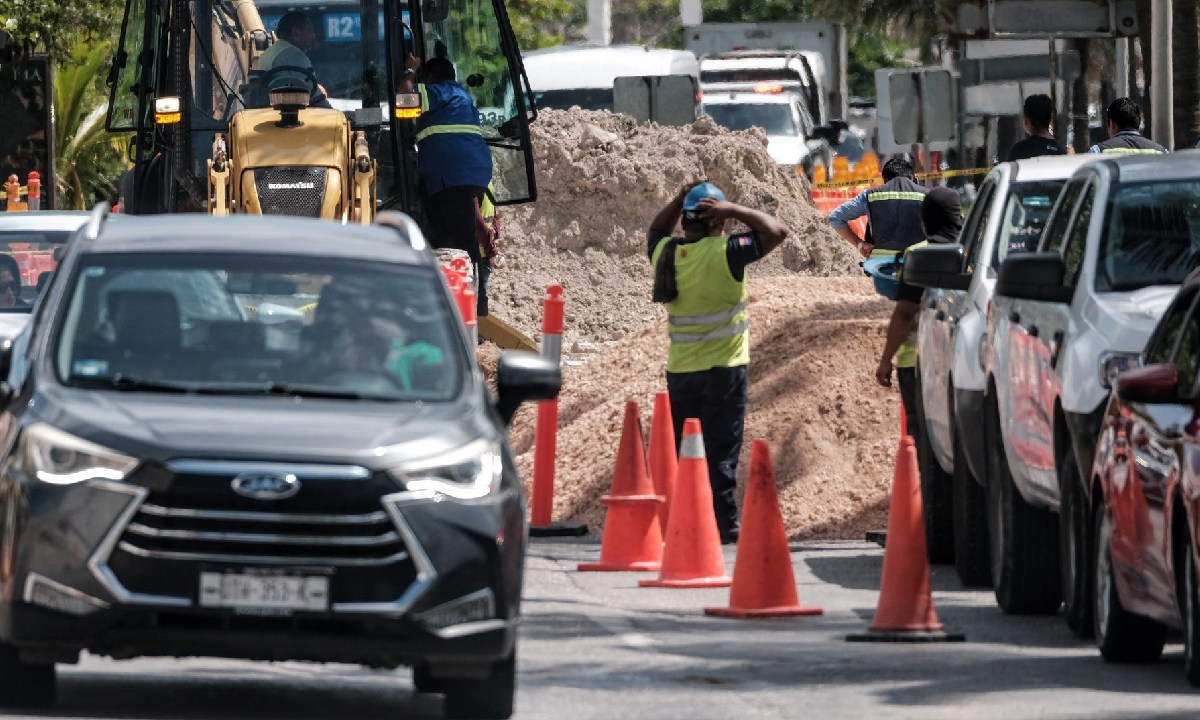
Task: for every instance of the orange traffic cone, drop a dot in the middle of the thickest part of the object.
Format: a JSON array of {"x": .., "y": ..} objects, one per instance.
[
  {"x": 905, "y": 612},
  {"x": 692, "y": 557},
  {"x": 763, "y": 583},
  {"x": 663, "y": 464},
  {"x": 632, "y": 536}
]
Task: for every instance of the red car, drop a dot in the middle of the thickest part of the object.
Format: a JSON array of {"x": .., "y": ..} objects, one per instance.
[{"x": 1146, "y": 497}]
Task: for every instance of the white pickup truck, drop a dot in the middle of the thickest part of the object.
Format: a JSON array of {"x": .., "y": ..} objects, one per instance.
[
  {"x": 1123, "y": 235},
  {"x": 1013, "y": 204}
]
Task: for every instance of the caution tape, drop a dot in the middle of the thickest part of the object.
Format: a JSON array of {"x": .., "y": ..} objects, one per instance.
[{"x": 870, "y": 182}]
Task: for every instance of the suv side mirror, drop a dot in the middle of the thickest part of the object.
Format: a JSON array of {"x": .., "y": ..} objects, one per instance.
[
  {"x": 937, "y": 266},
  {"x": 523, "y": 376},
  {"x": 1034, "y": 276},
  {"x": 1157, "y": 383}
]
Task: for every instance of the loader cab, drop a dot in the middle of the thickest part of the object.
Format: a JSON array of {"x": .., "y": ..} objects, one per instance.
[{"x": 205, "y": 53}]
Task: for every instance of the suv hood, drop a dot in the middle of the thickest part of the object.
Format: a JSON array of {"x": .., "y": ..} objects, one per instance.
[
  {"x": 165, "y": 426},
  {"x": 787, "y": 149}
]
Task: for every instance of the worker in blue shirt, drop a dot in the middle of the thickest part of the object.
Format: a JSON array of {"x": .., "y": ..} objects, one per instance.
[
  {"x": 893, "y": 212},
  {"x": 454, "y": 162}
]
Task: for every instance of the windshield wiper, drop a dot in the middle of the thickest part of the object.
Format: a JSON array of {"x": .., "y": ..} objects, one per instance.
[
  {"x": 130, "y": 382},
  {"x": 287, "y": 389}
]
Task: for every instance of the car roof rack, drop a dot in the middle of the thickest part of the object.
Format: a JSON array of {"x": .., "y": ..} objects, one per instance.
[
  {"x": 404, "y": 226},
  {"x": 97, "y": 218}
]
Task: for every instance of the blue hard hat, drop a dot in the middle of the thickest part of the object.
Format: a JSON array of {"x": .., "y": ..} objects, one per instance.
[{"x": 700, "y": 192}]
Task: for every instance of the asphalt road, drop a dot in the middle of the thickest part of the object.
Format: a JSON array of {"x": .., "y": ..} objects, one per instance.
[{"x": 594, "y": 645}]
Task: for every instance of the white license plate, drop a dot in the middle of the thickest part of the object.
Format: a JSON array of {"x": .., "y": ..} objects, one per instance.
[{"x": 273, "y": 592}]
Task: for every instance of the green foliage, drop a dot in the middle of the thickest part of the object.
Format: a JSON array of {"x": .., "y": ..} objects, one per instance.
[
  {"x": 54, "y": 26},
  {"x": 868, "y": 52},
  {"x": 540, "y": 23},
  {"x": 758, "y": 10},
  {"x": 88, "y": 159}
]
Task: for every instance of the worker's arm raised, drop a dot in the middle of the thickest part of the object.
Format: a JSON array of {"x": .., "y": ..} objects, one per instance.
[
  {"x": 771, "y": 232},
  {"x": 664, "y": 222}
]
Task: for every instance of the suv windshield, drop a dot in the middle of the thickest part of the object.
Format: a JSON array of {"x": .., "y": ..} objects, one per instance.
[
  {"x": 1151, "y": 236},
  {"x": 775, "y": 118},
  {"x": 586, "y": 98},
  {"x": 1025, "y": 213},
  {"x": 301, "y": 326}
]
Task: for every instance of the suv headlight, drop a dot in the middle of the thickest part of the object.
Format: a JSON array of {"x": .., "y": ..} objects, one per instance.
[
  {"x": 59, "y": 458},
  {"x": 1113, "y": 364},
  {"x": 471, "y": 472}
]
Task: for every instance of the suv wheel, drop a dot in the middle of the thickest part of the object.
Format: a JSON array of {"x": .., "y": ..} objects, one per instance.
[
  {"x": 23, "y": 684},
  {"x": 487, "y": 698},
  {"x": 936, "y": 494},
  {"x": 971, "y": 558},
  {"x": 1073, "y": 548},
  {"x": 1121, "y": 635},
  {"x": 1026, "y": 577}
]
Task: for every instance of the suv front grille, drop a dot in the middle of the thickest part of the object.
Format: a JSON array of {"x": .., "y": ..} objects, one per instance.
[
  {"x": 295, "y": 191},
  {"x": 252, "y": 537}
]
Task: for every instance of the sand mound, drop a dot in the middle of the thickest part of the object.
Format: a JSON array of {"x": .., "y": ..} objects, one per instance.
[{"x": 601, "y": 179}]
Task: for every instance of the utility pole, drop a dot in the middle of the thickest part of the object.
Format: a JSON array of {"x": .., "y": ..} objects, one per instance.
[
  {"x": 1161, "y": 90},
  {"x": 599, "y": 15}
]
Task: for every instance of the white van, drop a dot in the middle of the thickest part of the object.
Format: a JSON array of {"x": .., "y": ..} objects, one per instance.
[
  {"x": 797, "y": 71},
  {"x": 567, "y": 75}
]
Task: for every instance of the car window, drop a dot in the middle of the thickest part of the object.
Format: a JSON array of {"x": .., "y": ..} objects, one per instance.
[
  {"x": 1055, "y": 233},
  {"x": 244, "y": 324},
  {"x": 27, "y": 259},
  {"x": 1077, "y": 237},
  {"x": 1188, "y": 353},
  {"x": 774, "y": 118},
  {"x": 1151, "y": 236},
  {"x": 976, "y": 224},
  {"x": 1026, "y": 211},
  {"x": 1162, "y": 344}
]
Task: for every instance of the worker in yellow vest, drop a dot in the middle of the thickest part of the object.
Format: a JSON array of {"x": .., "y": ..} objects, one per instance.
[
  {"x": 701, "y": 278},
  {"x": 941, "y": 219},
  {"x": 487, "y": 232}
]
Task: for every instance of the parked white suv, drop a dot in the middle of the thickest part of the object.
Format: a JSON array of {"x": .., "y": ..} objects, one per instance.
[
  {"x": 1123, "y": 235},
  {"x": 1008, "y": 216}
]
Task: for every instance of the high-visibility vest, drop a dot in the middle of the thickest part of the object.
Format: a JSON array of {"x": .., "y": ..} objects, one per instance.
[
  {"x": 707, "y": 321},
  {"x": 1129, "y": 142},
  {"x": 894, "y": 213}
]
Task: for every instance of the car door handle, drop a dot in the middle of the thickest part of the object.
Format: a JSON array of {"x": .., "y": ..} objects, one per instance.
[
  {"x": 1014, "y": 317},
  {"x": 940, "y": 315}
]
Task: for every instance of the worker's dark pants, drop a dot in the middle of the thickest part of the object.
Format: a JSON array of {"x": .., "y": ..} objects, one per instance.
[
  {"x": 452, "y": 219},
  {"x": 907, "y": 379},
  {"x": 484, "y": 274},
  {"x": 717, "y": 397}
]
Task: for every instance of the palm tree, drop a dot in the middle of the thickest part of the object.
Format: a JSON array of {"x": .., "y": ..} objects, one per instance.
[
  {"x": 919, "y": 20},
  {"x": 88, "y": 159}
]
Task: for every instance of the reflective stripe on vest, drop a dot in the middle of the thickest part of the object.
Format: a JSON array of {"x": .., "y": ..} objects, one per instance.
[
  {"x": 895, "y": 195},
  {"x": 445, "y": 129},
  {"x": 710, "y": 319},
  {"x": 679, "y": 336},
  {"x": 1130, "y": 151}
]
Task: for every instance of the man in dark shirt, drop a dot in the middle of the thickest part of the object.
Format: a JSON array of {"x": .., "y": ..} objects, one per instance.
[{"x": 1038, "y": 116}]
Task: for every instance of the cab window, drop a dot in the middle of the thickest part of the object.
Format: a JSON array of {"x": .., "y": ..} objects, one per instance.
[
  {"x": 1077, "y": 237},
  {"x": 1060, "y": 218},
  {"x": 976, "y": 225}
]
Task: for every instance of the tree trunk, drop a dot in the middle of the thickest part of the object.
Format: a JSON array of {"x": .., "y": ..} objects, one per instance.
[
  {"x": 1185, "y": 47},
  {"x": 1079, "y": 98},
  {"x": 1143, "y": 15}
]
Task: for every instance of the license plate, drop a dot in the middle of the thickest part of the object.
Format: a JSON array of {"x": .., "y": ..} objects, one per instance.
[{"x": 266, "y": 592}]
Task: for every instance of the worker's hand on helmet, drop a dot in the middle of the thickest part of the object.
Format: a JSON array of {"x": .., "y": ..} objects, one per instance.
[{"x": 713, "y": 209}]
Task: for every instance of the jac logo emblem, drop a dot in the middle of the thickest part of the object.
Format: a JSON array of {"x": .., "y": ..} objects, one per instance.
[{"x": 266, "y": 485}]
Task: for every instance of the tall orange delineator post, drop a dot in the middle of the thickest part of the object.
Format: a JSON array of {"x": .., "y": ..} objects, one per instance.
[
  {"x": 13, "y": 189},
  {"x": 34, "y": 195},
  {"x": 545, "y": 442}
]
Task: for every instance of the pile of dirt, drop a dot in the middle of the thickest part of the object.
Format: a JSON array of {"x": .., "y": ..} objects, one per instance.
[
  {"x": 832, "y": 430},
  {"x": 601, "y": 179}
]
